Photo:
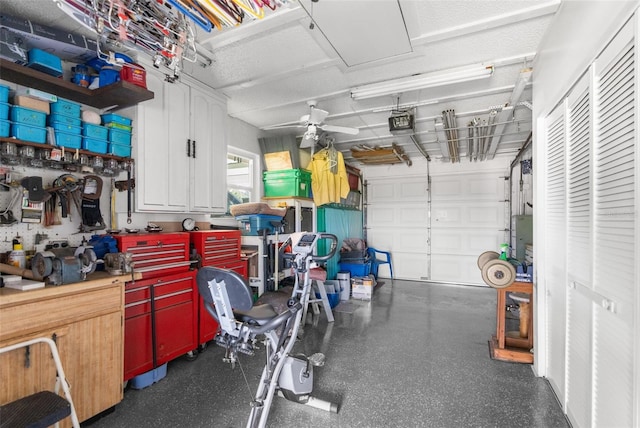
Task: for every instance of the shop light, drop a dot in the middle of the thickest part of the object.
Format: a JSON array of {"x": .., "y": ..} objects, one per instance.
[{"x": 422, "y": 81}]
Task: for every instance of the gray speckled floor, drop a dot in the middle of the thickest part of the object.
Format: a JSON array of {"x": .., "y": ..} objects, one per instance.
[{"x": 415, "y": 356}]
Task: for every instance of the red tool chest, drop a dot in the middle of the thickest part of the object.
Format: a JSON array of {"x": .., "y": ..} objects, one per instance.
[
  {"x": 218, "y": 248},
  {"x": 157, "y": 254},
  {"x": 161, "y": 310}
]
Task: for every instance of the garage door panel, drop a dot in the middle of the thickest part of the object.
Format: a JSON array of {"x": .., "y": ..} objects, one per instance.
[
  {"x": 381, "y": 192},
  {"x": 462, "y": 242},
  {"x": 443, "y": 188},
  {"x": 381, "y": 216},
  {"x": 448, "y": 214},
  {"x": 476, "y": 187},
  {"x": 456, "y": 269},
  {"x": 487, "y": 216},
  {"x": 405, "y": 191},
  {"x": 401, "y": 240},
  {"x": 483, "y": 215},
  {"x": 400, "y": 215},
  {"x": 408, "y": 266}
]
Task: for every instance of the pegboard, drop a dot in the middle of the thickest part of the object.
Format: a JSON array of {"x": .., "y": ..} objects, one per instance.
[{"x": 68, "y": 230}]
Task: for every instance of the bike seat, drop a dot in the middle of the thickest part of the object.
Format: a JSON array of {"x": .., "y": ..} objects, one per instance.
[{"x": 257, "y": 315}]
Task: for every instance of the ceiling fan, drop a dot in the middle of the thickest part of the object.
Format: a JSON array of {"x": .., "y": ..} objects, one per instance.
[{"x": 314, "y": 124}]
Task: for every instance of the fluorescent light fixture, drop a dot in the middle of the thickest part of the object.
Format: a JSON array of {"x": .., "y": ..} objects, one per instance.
[{"x": 422, "y": 81}]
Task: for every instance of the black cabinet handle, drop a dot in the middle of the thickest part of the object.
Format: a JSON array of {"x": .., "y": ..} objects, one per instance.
[
  {"x": 189, "y": 148},
  {"x": 194, "y": 149}
]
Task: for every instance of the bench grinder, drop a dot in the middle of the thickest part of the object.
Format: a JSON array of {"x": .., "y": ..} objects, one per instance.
[{"x": 64, "y": 265}]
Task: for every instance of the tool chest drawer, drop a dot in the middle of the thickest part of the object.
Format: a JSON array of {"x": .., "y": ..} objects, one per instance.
[
  {"x": 160, "y": 321},
  {"x": 157, "y": 254},
  {"x": 215, "y": 246}
]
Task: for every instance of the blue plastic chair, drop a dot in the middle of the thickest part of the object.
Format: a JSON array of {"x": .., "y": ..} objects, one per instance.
[{"x": 376, "y": 262}]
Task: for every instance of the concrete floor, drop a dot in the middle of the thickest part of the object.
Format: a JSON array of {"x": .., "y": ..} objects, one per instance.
[{"x": 415, "y": 356}]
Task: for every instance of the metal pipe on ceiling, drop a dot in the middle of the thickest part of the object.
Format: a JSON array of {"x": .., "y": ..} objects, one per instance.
[{"x": 451, "y": 131}]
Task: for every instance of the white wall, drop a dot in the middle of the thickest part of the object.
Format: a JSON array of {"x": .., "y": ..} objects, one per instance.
[{"x": 578, "y": 32}]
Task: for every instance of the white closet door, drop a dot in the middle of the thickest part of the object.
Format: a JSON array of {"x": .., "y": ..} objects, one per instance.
[
  {"x": 579, "y": 249},
  {"x": 616, "y": 229},
  {"x": 554, "y": 250}
]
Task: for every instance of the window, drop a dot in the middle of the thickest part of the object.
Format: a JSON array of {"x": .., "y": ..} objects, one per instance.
[{"x": 240, "y": 178}]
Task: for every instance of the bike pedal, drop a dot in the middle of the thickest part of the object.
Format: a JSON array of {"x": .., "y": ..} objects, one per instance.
[{"x": 317, "y": 359}]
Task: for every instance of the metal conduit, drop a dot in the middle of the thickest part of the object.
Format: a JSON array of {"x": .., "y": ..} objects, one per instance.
[{"x": 451, "y": 130}]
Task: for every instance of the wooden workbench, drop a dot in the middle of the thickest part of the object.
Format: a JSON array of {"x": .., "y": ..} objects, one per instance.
[
  {"x": 507, "y": 347},
  {"x": 85, "y": 320}
]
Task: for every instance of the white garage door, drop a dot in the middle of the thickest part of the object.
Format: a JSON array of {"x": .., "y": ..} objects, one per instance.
[
  {"x": 468, "y": 217},
  {"x": 441, "y": 239},
  {"x": 397, "y": 221}
]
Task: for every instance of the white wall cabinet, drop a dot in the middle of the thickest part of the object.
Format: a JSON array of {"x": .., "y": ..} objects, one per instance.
[{"x": 181, "y": 148}]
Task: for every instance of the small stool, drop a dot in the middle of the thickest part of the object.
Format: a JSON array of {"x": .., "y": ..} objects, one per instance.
[{"x": 523, "y": 302}]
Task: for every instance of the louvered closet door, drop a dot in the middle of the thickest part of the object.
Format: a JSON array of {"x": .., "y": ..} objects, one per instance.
[
  {"x": 616, "y": 229},
  {"x": 579, "y": 251},
  {"x": 554, "y": 250}
]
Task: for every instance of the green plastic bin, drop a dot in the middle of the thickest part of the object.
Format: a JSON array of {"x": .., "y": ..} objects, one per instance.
[{"x": 287, "y": 183}]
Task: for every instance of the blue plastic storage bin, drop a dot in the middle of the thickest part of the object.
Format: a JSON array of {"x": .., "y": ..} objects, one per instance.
[
  {"x": 95, "y": 145},
  {"x": 26, "y": 132},
  {"x": 253, "y": 224},
  {"x": 356, "y": 269},
  {"x": 95, "y": 131},
  {"x": 28, "y": 116},
  {"x": 4, "y": 110},
  {"x": 149, "y": 378},
  {"x": 4, "y": 94},
  {"x": 63, "y": 118},
  {"x": 45, "y": 62},
  {"x": 5, "y": 128},
  {"x": 119, "y": 136},
  {"x": 64, "y": 127},
  {"x": 106, "y": 118},
  {"x": 68, "y": 108},
  {"x": 123, "y": 150},
  {"x": 68, "y": 141}
]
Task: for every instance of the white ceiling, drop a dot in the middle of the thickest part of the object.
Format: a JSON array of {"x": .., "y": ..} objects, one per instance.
[{"x": 270, "y": 69}]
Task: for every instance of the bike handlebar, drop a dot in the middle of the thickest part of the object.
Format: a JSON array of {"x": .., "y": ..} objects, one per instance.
[{"x": 332, "y": 252}]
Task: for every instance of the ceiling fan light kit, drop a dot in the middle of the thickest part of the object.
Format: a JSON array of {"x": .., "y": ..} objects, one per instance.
[{"x": 422, "y": 81}]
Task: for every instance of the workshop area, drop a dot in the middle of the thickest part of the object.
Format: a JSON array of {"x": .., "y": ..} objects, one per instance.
[{"x": 310, "y": 212}]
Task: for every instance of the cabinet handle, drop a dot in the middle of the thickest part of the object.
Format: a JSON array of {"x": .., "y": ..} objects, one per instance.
[
  {"x": 194, "y": 149},
  {"x": 189, "y": 148}
]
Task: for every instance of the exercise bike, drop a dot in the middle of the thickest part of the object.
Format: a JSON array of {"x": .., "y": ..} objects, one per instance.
[{"x": 228, "y": 300}]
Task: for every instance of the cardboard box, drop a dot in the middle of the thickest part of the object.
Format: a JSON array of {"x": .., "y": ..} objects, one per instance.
[
  {"x": 67, "y": 46},
  {"x": 32, "y": 103},
  {"x": 362, "y": 287}
]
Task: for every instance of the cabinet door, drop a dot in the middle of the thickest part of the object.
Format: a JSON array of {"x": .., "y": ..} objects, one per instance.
[
  {"x": 208, "y": 188},
  {"x": 92, "y": 358},
  {"x": 161, "y": 148},
  {"x": 91, "y": 355}
]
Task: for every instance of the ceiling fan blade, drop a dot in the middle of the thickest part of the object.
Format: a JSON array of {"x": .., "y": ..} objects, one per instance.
[
  {"x": 317, "y": 116},
  {"x": 341, "y": 129},
  {"x": 284, "y": 127}
]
